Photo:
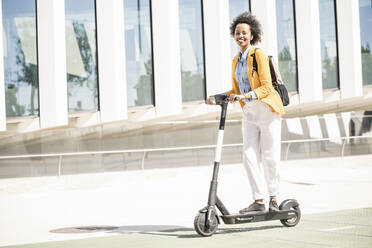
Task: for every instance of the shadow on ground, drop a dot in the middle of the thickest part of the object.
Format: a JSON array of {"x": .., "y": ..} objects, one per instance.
[
  {"x": 159, "y": 230},
  {"x": 190, "y": 232}
]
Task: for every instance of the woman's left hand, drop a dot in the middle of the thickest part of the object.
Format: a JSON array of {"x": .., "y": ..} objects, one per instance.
[{"x": 245, "y": 96}]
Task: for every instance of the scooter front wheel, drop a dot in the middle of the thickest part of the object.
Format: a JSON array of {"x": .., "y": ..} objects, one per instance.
[{"x": 200, "y": 225}]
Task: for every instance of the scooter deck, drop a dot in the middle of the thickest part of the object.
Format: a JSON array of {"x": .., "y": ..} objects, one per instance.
[{"x": 258, "y": 216}]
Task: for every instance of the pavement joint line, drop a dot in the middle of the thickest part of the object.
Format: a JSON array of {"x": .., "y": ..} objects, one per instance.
[
  {"x": 335, "y": 222},
  {"x": 304, "y": 242},
  {"x": 337, "y": 228}
]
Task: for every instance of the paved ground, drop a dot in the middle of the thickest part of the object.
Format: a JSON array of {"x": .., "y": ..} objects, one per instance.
[
  {"x": 155, "y": 208},
  {"x": 347, "y": 228}
]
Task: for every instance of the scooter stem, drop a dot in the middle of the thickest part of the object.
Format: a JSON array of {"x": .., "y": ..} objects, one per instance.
[{"x": 213, "y": 187}]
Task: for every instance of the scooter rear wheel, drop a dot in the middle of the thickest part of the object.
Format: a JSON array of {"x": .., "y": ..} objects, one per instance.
[
  {"x": 201, "y": 228},
  {"x": 292, "y": 221}
]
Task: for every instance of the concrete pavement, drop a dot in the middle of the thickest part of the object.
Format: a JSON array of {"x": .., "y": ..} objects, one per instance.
[
  {"x": 156, "y": 208},
  {"x": 341, "y": 229}
]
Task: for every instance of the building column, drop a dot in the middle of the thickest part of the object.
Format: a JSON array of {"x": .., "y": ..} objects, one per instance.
[
  {"x": 217, "y": 46},
  {"x": 2, "y": 83},
  {"x": 350, "y": 60},
  {"x": 111, "y": 60},
  {"x": 52, "y": 63},
  {"x": 309, "y": 58},
  {"x": 265, "y": 11},
  {"x": 167, "y": 57}
]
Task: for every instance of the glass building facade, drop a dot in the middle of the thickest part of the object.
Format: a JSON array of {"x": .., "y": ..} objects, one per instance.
[
  {"x": 328, "y": 43},
  {"x": 138, "y": 48},
  {"x": 162, "y": 126},
  {"x": 192, "y": 50},
  {"x": 20, "y": 58},
  {"x": 236, "y": 7},
  {"x": 81, "y": 55},
  {"x": 365, "y": 12},
  {"x": 287, "y": 55}
]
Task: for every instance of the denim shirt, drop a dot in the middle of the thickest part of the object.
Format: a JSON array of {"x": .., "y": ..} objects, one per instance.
[{"x": 242, "y": 75}]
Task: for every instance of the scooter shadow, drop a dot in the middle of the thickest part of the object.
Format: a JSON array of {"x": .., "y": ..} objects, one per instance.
[
  {"x": 147, "y": 229},
  {"x": 184, "y": 232}
]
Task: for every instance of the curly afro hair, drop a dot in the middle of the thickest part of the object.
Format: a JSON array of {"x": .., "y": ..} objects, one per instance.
[{"x": 251, "y": 20}]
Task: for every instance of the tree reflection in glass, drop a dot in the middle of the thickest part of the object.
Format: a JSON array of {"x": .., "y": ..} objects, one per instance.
[
  {"x": 20, "y": 58},
  {"x": 286, "y": 43},
  {"x": 82, "y": 82},
  {"x": 328, "y": 44},
  {"x": 365, "y": 13},
  {"x": 138, "y": 53},
  {"x": 192, "y": 50}
]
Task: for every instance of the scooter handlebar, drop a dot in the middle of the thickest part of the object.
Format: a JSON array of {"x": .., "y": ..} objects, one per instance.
[
  {"x": 236, "y": 99},
  {"x": 222, "y": 98}
]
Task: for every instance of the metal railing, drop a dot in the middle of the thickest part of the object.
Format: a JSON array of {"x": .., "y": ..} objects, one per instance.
[
  {"x": 145, "y": 151},
  {"x": 344, "y": 141}
]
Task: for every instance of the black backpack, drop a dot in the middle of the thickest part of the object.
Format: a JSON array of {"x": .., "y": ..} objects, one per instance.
[{"x": 276, "y": 78}]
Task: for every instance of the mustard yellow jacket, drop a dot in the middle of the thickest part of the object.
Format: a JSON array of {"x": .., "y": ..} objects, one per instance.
[{"x": 260, "y": 82}]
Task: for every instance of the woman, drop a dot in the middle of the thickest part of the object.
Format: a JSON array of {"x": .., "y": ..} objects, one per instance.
[{"x": 262, "y": 108}]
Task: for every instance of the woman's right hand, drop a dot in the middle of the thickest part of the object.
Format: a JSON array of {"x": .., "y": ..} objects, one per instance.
[
  {"x": 209, "y": 101},
  {"x": 232, "y": 98}
]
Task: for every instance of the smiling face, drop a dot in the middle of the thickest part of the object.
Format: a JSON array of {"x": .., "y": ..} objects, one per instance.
[{"x": 243, "y": 35}]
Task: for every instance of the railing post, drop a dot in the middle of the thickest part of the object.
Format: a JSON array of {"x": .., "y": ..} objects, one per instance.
[
  {"x": 59, "y": 165},
  {"x": 286, "y": 153},
  {"x": 343, "y": 148},
  {"x": 143, "y": 160}
]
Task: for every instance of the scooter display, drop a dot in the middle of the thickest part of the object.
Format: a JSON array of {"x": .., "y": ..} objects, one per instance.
[{"x": 207, "y": 219}]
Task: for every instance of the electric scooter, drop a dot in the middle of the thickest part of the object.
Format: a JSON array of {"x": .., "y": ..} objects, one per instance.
[{"x": 207, "y": 220}]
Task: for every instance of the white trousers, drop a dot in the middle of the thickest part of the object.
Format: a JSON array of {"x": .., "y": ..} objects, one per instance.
[{"x": 261, "y": 130}]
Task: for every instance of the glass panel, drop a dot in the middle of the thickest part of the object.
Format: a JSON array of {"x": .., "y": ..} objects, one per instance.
[
  {"x": 192, "y": 50},
  {"x": 326, "y": 135},
  {"x": 236, "y": 7},
  {"x": 287, "y": 57},
  {"x": 20, "y": 58},
  {"x": 365, "y": 12},
  {"x": 138, "y": 52},
  {"x": 82, "y": 82},
  {"x": 328, "y": 43}
]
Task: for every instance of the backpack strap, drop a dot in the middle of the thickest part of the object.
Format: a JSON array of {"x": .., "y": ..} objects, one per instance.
[
  {"x": 255, "y": 67},
  {"x": 272, "y": 71},
  {"x": 274, "y": 78}
]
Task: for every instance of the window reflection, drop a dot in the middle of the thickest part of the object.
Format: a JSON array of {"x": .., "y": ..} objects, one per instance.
[
  {"x": 365, "y": 12},
  {"x": 192, "y": 50},
  {"x": 81, "y": 54},
  {"x": 20, "y": 58},
  {"x": 287, "y": 57},
  {"x": 236, "y": 7},
  {"x": 138, "y": 52},
  {"x": 328, "y": 43}
]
